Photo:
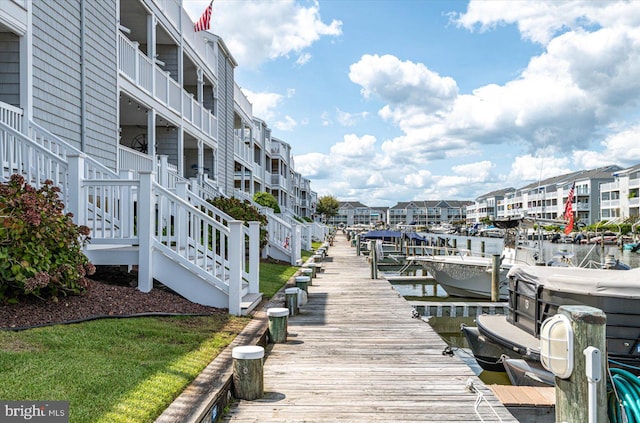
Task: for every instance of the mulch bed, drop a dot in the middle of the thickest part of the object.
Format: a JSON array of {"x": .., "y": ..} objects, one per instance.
[{"x": 100, "y": 300}]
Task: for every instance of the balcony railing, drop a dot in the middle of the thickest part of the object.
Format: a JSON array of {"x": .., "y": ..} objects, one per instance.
[
  {"x": 140, "y": 70},
  {"x": 11, "y": 116}
]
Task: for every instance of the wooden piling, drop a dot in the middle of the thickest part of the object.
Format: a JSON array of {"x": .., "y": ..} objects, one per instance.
[
  {"x": 495, "y": 278},
  {"x": 302, "y": 282},
  {"x": 589, "y": 328},
  {"x": 291, "y": 300},
  {"x": 248, "y": 379},
  {"x": 278, "y": 318}
]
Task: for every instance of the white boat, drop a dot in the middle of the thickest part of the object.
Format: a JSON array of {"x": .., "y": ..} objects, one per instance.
[{"x": 466, "y": 275}]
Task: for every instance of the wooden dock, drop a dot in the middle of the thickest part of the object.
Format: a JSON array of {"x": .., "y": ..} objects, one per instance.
[{"x": 356, "y": 354}]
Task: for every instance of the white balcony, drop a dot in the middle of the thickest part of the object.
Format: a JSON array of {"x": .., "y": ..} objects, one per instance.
[{"x": 147, "y": 76}]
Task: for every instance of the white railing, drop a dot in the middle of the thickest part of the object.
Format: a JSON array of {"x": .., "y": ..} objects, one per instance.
[
  {"x": 136, "y": 161},
  {"x": 34, "y": 162},
  {"x": 93, "y": 169},
  {"x": 242, "y": 101},
  {"x": 140, "y": 69},
  {"x": 11, "y": 116}
]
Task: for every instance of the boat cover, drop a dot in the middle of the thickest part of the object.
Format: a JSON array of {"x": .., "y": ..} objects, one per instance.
[{"x": 597, "y": 282}]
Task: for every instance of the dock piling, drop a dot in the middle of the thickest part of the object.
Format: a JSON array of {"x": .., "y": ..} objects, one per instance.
[{"x": 248, "y": 379}]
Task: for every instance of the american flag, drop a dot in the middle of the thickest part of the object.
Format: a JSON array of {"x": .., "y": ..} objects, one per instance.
[
  {"x": 204, "y": 22},
  {"x": 568, "y": 210}
]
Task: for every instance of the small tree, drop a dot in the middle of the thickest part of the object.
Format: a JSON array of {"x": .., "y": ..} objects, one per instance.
[
  {"x": 328, "y": 205},
  {"x": 267, "y": 200},
  {"x": 40, "y": 247}
]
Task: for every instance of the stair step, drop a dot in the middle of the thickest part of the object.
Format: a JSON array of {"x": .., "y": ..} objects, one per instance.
[{"x": 249, "y": 302}]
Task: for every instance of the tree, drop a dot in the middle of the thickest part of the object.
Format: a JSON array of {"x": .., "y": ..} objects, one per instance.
[
  {"x": 267, "y": 200},
  {"x": 327, "y": 205}
]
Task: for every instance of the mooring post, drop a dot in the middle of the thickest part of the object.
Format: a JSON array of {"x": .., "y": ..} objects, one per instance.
[
  {"x": 495, "y": 278},
  {"x": 469, "y": 244},
  {"x": 248, "y": 373},
  {"x": 572, "y": 394},
  {"x": 302, "y": 282},
  {"x": 278, "y": 324},
  {"x": 373, "y": 254},
  {"x": 357, "y": 244},
  {"x": 291, "y": 300},
  {"x": 482, "y": 248}
]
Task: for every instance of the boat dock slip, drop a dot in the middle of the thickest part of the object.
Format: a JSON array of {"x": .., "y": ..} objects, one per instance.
[
  {"x": 354, "y": 353},
  {"x": 457, "y": 308}
]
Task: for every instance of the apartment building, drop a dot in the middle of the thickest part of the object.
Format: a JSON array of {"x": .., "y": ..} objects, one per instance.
[
  {"x": 546, "y": 199},
  {"x": 428, "y": 213},
  {"x": 352, "y": 213},
  {"x": 620, "y": 199},
  {"x": 137, "y": 117}
]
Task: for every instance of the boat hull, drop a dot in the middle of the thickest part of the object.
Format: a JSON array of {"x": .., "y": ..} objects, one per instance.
[
  {"x": 469, "y": 279},
  {"x": 487, "y": 354},
  {"x": 527, "y": 373}
]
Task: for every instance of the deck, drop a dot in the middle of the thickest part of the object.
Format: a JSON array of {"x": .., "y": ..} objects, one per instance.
[{"x": 356, "y": 354}]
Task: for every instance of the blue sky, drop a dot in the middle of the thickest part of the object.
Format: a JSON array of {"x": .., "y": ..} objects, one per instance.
[{"x": 395, "y": 100}]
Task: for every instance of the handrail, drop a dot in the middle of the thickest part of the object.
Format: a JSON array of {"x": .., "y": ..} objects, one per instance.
[{"x": 56, "y": 144}]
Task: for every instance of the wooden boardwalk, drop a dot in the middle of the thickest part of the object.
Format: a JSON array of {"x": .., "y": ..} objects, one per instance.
[{"x": 356, "y": 354}]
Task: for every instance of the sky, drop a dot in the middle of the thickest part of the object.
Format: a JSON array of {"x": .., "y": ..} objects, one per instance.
[{"x": 384, "y": 101}]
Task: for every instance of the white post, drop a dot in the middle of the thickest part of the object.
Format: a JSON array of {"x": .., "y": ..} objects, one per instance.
[
  {"x": 76, "y": 191},
  {"x": 294, "y": 243},
  {"x": 163, "y": 177},
  {"x": 236, "y": 255},
  {"x": 126, "y": 204},
  {"x": 146, "y": 221},
  {"x": 254, "y": 257},
  {"x": 181, "y": 229}
]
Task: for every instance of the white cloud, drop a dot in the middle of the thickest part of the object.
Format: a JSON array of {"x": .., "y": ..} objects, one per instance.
[
  {"x": 349, "y": 119},
  {"x": 286, "y": 124},
  {"x": 278, "y": 28},
  {"x": 303, "y": 59},
  {"x": 526, "y": 169},
  {"x": 264, "y": 105},
  {"x": 402, "y": 84}
]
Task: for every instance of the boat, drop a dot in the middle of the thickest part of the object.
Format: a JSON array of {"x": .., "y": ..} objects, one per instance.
[
  {"x": 536, "y": 293},
  {"x": 527, "y": 373},
  {"x": 465, "y": 275},
  {"x": 489, "y": 355}
]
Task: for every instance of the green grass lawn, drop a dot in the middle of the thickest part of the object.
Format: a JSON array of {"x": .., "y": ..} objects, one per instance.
[{"x": 120, "y": 370}]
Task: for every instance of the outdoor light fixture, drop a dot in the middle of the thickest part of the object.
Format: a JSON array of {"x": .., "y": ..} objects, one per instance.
[{"x": 556, "y": 345}]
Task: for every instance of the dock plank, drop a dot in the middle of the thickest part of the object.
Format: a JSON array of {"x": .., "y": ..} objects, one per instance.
[{"x": 356, "y": 354}]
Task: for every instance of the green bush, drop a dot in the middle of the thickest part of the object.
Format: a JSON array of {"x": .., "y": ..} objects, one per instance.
[
  {"x": 267, "y": 200},
  {"x": 242, "y": 210},
  {"x": 40, "y": 246}
]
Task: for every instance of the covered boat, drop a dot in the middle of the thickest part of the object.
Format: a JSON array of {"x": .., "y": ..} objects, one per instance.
[{"x": 535, "y": 293}]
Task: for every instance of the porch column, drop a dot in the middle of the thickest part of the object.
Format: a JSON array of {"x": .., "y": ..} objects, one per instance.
[
  {"x": 181, "y": 151},
  {"x": 151, "y": 133},
  {"x": 152, "y": 22},
  {"x": 200, "y": 158}
]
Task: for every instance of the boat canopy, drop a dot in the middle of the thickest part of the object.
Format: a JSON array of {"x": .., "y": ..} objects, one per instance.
[
  {"x": 392, "y": 236},
  {"x": 596, "y": 282}
]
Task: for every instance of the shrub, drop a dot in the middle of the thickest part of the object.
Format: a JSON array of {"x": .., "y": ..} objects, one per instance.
[
  {"x": 267, "y": 200},
  {"x": 243, "y": 210},
  {"x": 40, "y": 246}
]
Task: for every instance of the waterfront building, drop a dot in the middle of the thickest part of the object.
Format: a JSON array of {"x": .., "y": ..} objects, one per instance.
[
  {"x": 428, "y": 213},
  {"x": 620, "y": 199},
  {"x": 546, "y": 199},
  {"x": 354, "y": 213},
  {"x": 488, "y": 206},
  {"x": 138, "y": 118}
]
